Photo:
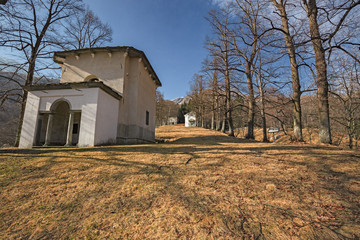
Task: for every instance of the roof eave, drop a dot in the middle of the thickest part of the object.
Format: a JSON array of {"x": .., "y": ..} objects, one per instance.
[
  {"x": 74, "y": 85},
  {"x": 59, "y": 57}
]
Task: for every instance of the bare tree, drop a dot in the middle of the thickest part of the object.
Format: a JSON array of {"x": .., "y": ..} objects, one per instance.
[
  {"x": 290, "y": 45},
  {"x": 338, "y": 10},
  {"x": 245, "y": 40},
  {"x": 85, "y": 30},
  {"x": 261, "y": 87},
  {"x": 215, "y": 117},
  {"x": 345, "y": 87},
  {"x": 321, "y": 70},
  {"x": 220, "y": 22},
  {"x": 165, "y": 109},
  {"x": 211, "y": 77},
  {"x": 198, "y": 96},
  {"x": 29, "y": 27}
]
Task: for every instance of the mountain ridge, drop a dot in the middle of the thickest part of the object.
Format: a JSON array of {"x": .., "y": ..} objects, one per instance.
[{"x": 182, "y": 100}]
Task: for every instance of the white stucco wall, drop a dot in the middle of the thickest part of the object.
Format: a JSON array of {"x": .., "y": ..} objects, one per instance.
[
  {"x": 124, "y": 104},
  {"x": 131, "y": 91},
  {"x": 172, "y": 120},
  {"x": 88, "y": 117},
  {"x": 108, "y": 68},
  {"x": 107, "y": 119},
  {"x": 77, "y": 98},
  {"x": 146, "y": 102},
  {"x": 127, "y": 130},
  {"x": 27, "y": 136},
  {"x": 139, "y": 96},
  {"x": 189, "y": 117},
  {"x": 99, "y": 113}
]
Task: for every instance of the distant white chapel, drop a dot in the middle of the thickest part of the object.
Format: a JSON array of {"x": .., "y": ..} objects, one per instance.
[
  {"x": 190, "y": 119},
  {"x": 105, "y": 96}
]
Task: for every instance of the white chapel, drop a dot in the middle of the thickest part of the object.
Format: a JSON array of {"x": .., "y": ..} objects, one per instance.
[{"x": 105, "y": 96}]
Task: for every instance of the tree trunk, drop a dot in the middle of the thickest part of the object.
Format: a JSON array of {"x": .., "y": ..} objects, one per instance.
[
  {"x": 262, "y": 103},
  {"x": 218, "y": 121},
  {"x": 21, "y": 118},
  {"x": 213, "y": 113},
  {"x": 229, "y": 112},
  {"x": 223, "y": 125},
  {"x": 228, "y": 107},
  {"x": 294, "y": 71},
  {"x": 230, "y": 123},
  {"x": 321, "y": 72},
  {"x": 214, "y": 98},
  {"x": 265, "y": 138},
  {"x": 28, "y": 82},
  {"x": 218, "y": 125},
  {"x": 351, "y": 145},
  {"x": 249, "y": 65},
  {"x": 251, "y": 113},
  {"x": 31, "y": 70},
  {"x": 212, "y": 120},
  {"x": 350, "y": 125}
]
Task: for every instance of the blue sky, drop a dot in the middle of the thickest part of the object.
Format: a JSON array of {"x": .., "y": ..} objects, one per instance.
[{"x": 172, "y": 34}]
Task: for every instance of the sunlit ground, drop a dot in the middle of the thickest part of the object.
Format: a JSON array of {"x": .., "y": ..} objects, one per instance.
[{"x": 199, "y": 184}]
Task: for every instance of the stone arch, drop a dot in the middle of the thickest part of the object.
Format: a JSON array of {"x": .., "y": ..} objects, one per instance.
[
  {"x": 91, "y": 78},
  {"x": 60, "y": 110},
  {"x": 55, "y": 104}
]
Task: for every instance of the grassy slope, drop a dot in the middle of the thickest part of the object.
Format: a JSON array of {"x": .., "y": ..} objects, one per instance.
[{"x": 229, "y": 188}]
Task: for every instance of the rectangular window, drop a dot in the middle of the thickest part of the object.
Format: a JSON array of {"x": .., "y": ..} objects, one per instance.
[
  {"x": 147, "y": 118},
  {"x": 75, "y": 128}
]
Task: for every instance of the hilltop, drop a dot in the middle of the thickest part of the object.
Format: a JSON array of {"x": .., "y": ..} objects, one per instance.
[{"x": 182, "y": 100}]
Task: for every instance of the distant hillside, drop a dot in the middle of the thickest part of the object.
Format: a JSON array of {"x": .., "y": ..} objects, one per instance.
[
  {"x": 9, "y": 119},
  {"x": 10, "y": 110},
  {"x": 9, "y": 65},
  {"x": 181, "y": 100}
]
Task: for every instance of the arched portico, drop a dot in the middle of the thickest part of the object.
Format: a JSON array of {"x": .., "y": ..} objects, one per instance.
[
  {"x": 56, "y": 128},
  {"x": 60, "y": 111}
]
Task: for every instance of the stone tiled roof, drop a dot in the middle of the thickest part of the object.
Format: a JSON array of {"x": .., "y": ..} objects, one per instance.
[{"x": 59, "y": 57}]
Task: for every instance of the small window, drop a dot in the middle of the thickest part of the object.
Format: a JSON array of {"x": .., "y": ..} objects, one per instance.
[
  {"x": 147, "y": 117},
  {"x": 75, "y": 128}
]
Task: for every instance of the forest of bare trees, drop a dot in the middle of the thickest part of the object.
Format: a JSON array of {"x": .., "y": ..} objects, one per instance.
[
  {"x": 290, "y": 64},
  {"x": 165, "y": 109}
]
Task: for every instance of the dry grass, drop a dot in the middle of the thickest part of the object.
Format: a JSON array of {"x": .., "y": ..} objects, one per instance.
[
  {"x": 310, "y": 136},
  {"x": 200, "y": 184}
]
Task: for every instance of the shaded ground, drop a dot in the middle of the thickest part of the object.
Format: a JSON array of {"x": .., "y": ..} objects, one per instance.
[
  {"x": 200, "y": 184},
  {"x": 310, "y": 136}
]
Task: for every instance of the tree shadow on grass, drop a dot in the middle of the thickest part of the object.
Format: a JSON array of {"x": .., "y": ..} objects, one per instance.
[
  {"x": 212, "y": 140},
  {"x": 168, "y": 173}
]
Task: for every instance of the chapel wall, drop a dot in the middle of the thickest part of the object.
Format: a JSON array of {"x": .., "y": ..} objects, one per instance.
[
  {"x": 108, "y": 68},
  {"x": 146, "y": 103}
]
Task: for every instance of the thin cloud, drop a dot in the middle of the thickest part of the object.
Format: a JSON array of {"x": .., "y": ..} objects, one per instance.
[{"x": 222, "y": 3}]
